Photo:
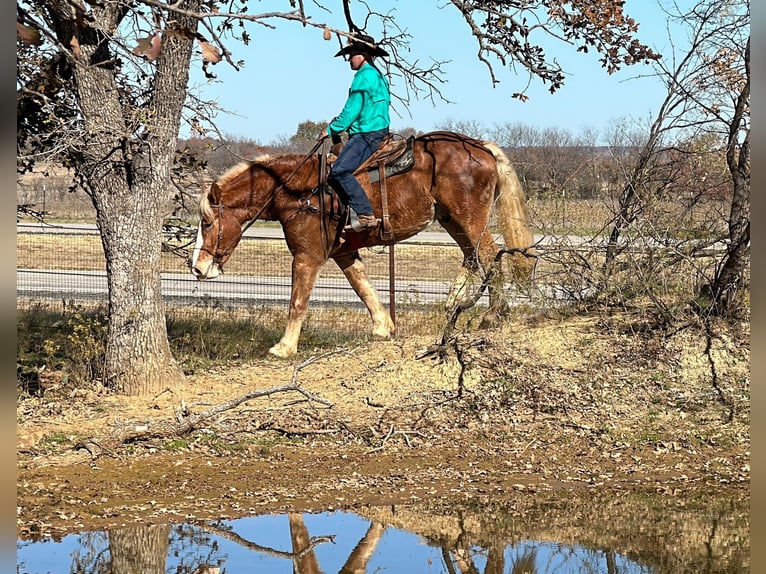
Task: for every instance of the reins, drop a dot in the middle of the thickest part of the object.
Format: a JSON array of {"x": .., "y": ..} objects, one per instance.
[
  {"x": 217, "y": 255},
  {"x": 324, "y": 233}
]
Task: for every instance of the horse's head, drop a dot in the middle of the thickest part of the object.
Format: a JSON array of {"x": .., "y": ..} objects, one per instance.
[
  {"x": 219, "y": 232},
  {"x": 242, "y": 195}
]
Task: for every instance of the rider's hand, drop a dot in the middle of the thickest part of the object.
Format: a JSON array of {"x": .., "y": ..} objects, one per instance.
[{"x": 323, "y": 134}]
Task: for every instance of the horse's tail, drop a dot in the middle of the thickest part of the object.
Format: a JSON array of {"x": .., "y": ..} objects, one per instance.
[{"x": 512, "y": 213}]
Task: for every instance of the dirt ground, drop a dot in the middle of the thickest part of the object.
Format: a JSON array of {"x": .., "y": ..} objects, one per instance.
[{"x": 577, "y": 403}]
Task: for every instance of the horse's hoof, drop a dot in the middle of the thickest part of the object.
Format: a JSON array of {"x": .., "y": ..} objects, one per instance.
[
  {"x": 382, "y": 326},
  {"x": 382, "y": 334},
  {"x": 280, "y": 351}
]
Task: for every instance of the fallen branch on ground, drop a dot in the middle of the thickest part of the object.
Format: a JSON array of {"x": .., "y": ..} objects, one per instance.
[{"x": 185, "y": 424}]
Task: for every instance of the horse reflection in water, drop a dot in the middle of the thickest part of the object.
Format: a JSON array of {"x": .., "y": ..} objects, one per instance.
[
  {"x": 145, "y": 549},
  {"x": 302, "y": 556},
  {"x": 455, "y": 180}
]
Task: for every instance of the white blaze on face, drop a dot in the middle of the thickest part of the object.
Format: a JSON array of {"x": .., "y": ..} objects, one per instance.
[
  {"x": 197, "y": 245},
  {"x": 211, "y": 271}
]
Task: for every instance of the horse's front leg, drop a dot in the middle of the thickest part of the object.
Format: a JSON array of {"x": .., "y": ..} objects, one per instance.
[
  {"x": 305, "y": 270},
  {"x": 353, "y": 268}
]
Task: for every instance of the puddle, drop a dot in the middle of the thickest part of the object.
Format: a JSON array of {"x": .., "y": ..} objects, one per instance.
[{"x": 667, "y": 538}]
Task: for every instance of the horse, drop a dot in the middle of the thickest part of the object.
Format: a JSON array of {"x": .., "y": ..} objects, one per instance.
[{"x": 455, "y": 180}]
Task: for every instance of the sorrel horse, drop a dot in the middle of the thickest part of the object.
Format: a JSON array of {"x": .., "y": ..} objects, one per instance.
[{"x": 456, "y": 180}]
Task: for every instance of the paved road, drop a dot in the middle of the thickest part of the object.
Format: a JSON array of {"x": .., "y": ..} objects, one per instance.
[
  {"x": 228, "y": 290},
  {"x": 259, "y": 231}
]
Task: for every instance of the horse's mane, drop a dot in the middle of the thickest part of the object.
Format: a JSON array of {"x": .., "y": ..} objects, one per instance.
[
  {"x": 237, "y": 169},
  {"x": 272, "y": 161},
  {"x": 206, "y": 212}
]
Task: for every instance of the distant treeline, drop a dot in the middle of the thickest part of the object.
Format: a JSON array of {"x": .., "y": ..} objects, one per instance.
[{"x": 551, "y": 162}]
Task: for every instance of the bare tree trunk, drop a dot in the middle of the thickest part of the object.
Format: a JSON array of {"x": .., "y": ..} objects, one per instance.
[
  {"x": 305, "y": 561},
  {"x": 139, "y": 549},
  {"x": 124, "y": 165},
  {"x": 630, "y": 200},
  {"x": 727, "y": 286},
  {"x": 496, "y": 557}
]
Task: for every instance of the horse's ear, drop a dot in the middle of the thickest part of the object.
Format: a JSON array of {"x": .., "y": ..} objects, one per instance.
[{"x": 214, "y": 194}]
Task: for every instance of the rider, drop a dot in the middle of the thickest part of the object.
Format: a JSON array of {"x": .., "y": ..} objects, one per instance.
[{"x": 365, "y": 118}]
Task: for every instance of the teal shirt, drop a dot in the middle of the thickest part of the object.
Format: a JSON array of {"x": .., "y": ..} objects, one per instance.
[{"x": 366, "y": 109}]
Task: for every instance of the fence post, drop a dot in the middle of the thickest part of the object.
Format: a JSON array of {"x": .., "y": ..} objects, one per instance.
[{"x": 391, "y": 284}]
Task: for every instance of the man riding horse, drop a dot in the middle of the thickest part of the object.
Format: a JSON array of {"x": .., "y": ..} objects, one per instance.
[
  {"x": 454, "y": 179},
  {"x": 365, "y": 118}
]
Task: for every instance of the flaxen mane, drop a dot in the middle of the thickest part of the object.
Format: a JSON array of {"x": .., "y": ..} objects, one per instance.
[{"x": 205, "y": 210}]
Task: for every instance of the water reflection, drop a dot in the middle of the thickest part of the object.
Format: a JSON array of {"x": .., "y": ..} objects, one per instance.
[{"x": 399, "y": 539}]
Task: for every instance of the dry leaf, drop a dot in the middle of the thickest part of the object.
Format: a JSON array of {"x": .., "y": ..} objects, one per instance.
[
  {"x": 30, "y": 36},
  {"x": 210, "y": 53},
  {"x": 149, "y": 47},
  {"x": 327, "y": 34}
]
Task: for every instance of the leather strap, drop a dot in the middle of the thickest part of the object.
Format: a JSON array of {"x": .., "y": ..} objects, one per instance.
[
  {"x": 323, "y": 231},
  {"x": 385, "y": 231}
]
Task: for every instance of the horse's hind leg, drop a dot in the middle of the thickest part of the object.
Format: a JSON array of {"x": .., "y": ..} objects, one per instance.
[
  {"x": 479, "y": 251},
  {"x": 305, "y": 270},
  {"x": 498, "y": 308},
  {"x": 353, "y": 268}
]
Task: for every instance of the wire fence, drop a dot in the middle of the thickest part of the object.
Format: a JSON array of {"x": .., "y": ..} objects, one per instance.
[{"x": 66, "y": 263}]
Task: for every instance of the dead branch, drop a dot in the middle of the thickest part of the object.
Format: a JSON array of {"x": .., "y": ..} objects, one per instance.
[
  {"x": 184, "y": 423},
  {"x": 391, "y": 432},
  {"x": 234, "y": 537},
  {"x": 439, "y": 349}
]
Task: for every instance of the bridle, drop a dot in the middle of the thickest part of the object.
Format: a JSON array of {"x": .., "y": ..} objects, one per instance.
[{"x": 218, "y": 253}]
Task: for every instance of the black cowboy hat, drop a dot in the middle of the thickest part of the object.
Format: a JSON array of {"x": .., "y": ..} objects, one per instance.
[{"x": 362, "y": 44}]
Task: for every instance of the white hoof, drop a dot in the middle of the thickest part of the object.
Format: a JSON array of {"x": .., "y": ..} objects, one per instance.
[
  {"x": 383, "y": 330},
  {"x": 281, "y": 351}
]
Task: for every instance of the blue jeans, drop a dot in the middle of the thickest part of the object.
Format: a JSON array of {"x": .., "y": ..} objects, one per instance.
[{"x": 358, "y": 148}]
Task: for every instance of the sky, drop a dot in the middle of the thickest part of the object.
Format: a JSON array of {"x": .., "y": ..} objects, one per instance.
[{"x": 291, "y": 75}]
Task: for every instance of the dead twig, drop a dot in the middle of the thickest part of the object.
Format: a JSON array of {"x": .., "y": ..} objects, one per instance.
[
  {"x": 268, "y": 551},
  {"x": 391, "y": 432},
  {"x": 439, "y": 349}
]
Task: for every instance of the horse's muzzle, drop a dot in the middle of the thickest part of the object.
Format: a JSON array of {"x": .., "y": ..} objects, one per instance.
[{"x": 210, "y": 272}]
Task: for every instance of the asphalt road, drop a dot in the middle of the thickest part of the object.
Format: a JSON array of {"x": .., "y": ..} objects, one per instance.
[
  {"x": 227, "y": 290},
  {"x": 263, "y": 232}
]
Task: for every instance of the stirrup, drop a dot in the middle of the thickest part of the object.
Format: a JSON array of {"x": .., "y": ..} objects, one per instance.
[{"x": 356, "y": 225}]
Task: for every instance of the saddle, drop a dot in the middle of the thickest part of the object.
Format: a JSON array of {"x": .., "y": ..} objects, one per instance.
[
  {"x": 394, "y": 153},
  {"x": 393, "y": 157}
]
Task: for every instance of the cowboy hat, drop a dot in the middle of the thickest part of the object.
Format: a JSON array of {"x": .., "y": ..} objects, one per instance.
[{"x": 362, "y": 44}]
